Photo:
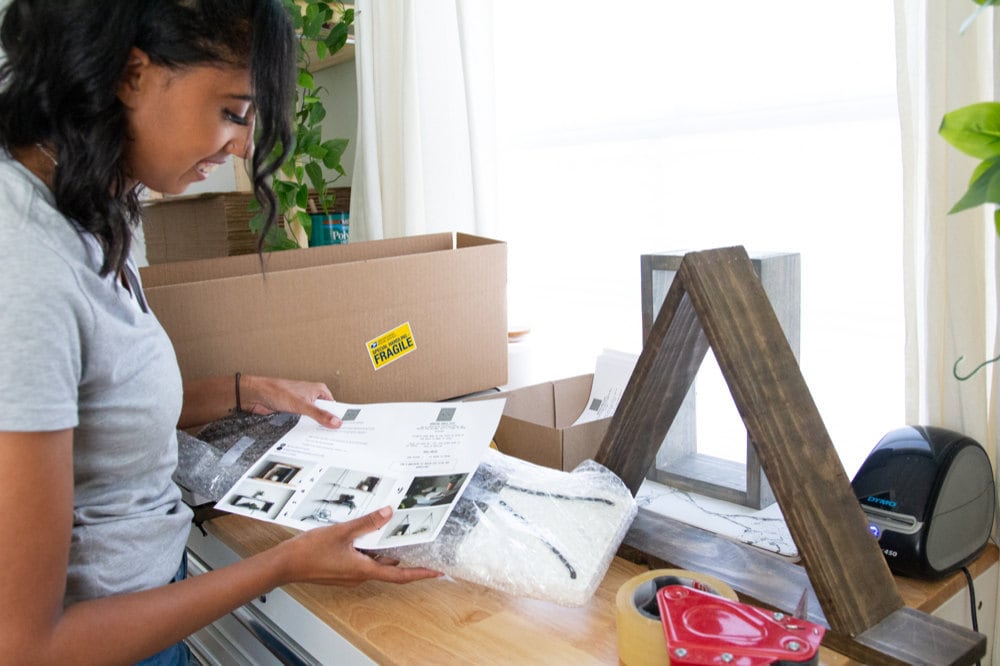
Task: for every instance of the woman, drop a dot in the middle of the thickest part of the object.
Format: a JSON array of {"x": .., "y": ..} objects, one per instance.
[{"x": 99, "y": 98}]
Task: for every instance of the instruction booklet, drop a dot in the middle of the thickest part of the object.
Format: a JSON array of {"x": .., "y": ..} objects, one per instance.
[
  {"x": 413, "y": 456},
  {"x": 611, "y": 376}
]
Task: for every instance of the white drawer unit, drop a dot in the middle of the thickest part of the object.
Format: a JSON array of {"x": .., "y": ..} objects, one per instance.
[
  {"x": 957, "y": 608},
  {"x": 274, "y": 629}
]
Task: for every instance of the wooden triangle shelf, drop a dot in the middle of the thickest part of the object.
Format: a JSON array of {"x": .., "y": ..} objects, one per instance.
[{"x": 716, "y": 301}]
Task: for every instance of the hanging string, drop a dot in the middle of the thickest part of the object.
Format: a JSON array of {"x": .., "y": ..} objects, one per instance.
[{"x": 954, "y": 369}]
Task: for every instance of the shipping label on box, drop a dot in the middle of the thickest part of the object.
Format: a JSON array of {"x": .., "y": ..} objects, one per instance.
[
  {"x": 434, "y": 305},
  {"x": 391, "y": 346}
]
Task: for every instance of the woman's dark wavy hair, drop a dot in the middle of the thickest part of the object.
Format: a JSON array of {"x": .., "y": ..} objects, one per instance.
[{"x": 65, "y": 59}]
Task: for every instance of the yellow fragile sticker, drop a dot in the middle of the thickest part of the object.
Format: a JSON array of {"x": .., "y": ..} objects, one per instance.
[{"x": 391, "y": 345}]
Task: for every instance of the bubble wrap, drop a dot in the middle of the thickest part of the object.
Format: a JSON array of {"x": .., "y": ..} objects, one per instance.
[
  {"x": 531, "y": 531},
  {"x": 224, "y": 450}
]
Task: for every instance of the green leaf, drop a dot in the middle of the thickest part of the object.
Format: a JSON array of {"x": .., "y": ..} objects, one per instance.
[
  {"x": 284, "y": 188},
  {"x": 984, "y": 189},
  {"x": 996, "y": 221},
  {"x": 306, "y": 221},
  {"x": 278, "y": 243},
  {"x": 287, "y": 170},
  {"x": 257, "y": 223},
  {"x": 317, "y": 152},
  {"x": 337, "y": 37},
  {"x": 315, "y": 174},
  {"x": 308, "y": 137},
  {"x": 316, "y": 114},
  {"x": 306, "y": 79},
  {"x": 974, "y": 129},
  {"x": 313, "y": 22},
  {"x": 977, "y": 173},
  {"x": 302, "y": 199},
  {"x": 335, "y": 148}
]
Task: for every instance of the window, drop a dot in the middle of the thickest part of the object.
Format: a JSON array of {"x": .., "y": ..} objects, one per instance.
[{"x": 646, "y": 126}]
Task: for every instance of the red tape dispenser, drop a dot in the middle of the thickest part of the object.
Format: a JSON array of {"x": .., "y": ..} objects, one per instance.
[{"x": 705, "y": 629}]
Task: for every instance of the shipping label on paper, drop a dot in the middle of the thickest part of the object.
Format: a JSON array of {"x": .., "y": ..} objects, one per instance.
[{"x": 391, "y": 345}]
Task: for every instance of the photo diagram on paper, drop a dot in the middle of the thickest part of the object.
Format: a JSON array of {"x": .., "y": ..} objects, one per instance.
[
  {"x": 339, "y": 494},
  {"x": 432, "y": 490},
  {"x": 411, "y": 526},
  {"x": 416, "y": 514},
  {"x": 259, "y": 499},
  {"x": 276, "y": 471},
  {"x": 266, "y": 489}
]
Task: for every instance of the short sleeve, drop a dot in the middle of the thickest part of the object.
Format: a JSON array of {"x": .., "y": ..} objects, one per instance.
[{"x": 44, "y": 319}]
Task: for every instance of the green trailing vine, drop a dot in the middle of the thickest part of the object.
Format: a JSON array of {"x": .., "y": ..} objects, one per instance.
[{"x": 323, "y": 29}]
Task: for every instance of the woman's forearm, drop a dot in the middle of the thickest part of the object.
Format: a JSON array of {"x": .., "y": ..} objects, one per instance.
[
  {"x": 135, "y": 625},
  {"x": 208, "y": 399},
  {"x": 211, "y": 398}
]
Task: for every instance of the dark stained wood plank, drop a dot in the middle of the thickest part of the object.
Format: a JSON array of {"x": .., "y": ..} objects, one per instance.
[
  {"x": 844, "y": 563},
  {"x": 904, "y": 634},
  {"x": 664, "y": 372}
]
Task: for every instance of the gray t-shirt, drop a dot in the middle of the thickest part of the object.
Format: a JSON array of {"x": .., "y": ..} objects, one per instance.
[{"x": 77, "y": 350}]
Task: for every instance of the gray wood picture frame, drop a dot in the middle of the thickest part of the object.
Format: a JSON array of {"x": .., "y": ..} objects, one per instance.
[{"x": 679, "y": 463}]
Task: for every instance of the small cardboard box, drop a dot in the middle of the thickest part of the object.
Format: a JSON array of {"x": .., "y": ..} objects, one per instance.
[
  {"x": 199, "y": 226},
  {"x": 537, "y": 423},
  {"x": 421, "y": 318}
]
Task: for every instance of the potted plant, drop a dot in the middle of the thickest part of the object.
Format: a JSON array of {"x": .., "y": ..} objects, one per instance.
[{"x": 323, "y": 28}]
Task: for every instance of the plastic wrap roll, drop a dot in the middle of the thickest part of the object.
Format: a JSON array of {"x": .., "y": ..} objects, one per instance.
[{"x": 640, "y": 632}]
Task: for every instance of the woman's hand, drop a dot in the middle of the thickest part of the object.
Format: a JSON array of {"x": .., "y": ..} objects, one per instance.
[
  {"x": 327, "y": 555},
  {"x": 267, "y": 395}
]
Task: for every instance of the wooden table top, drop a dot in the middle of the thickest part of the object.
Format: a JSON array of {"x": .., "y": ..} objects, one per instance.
[{"x": 444, "y": 621}]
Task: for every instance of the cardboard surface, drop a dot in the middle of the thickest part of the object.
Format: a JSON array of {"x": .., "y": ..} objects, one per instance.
[
  {"x": 312, "y": 313},
  {"x": 198, "y": 227},
  {"x": 213, "y": 224},
  {"x": 537, "y": 423}
]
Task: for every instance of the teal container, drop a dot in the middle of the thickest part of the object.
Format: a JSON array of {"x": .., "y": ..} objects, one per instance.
[{"x": 329, "y": 229}]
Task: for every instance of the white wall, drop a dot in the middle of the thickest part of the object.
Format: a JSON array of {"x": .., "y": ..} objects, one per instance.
[{"x": 341, "y": 101}]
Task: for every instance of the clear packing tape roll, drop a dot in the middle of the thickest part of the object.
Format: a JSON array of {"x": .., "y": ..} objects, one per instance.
[{"x": 641, "y": 640}]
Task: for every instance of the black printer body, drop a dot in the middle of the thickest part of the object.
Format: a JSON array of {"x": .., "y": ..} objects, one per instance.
[{"x": 929, "y": 497}]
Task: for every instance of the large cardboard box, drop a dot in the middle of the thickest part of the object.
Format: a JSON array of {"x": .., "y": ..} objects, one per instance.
[
  {"x": 537, "y": 423},
  {"x": 420, "y": 318}
]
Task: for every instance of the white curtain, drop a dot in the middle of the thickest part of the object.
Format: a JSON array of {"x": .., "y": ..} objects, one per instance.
[
  {"x": 425, "y": 145},
  {"x": 950, "y": 276}
]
